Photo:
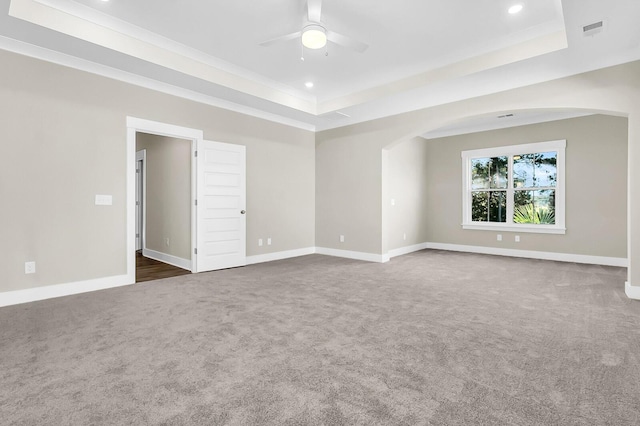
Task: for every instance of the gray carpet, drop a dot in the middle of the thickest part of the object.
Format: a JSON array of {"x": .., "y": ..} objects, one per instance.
[{"x": 429, "y": 338}]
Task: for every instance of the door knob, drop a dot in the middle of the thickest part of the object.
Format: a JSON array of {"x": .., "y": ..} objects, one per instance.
[{"x": 242, "y": 212}]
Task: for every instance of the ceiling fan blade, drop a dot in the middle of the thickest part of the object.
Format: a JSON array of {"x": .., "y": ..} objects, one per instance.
[
  {"x": 314, "y": 10},
  {"x": 348, "y": 42},
  {"x": 281, "y": 38}
]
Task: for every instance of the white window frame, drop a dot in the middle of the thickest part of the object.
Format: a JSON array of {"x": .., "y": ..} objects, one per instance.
[{"x": 558, "y": 146}]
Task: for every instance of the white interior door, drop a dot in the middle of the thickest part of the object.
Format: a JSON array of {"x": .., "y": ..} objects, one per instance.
[{"x": 221, "y": 198}]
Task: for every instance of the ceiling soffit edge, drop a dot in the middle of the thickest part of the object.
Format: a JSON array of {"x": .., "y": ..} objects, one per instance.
[
  {"x": 131, "y": 40},
  {"x": 39, "y": 13},
  {"x": 44, "y": 54},
  {"x": 519, "y": 52}
]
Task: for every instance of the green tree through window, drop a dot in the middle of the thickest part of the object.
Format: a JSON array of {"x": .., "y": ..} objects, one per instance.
[
  {"x": 489, "y": 177},
  {"x": 534, "y": 179}
]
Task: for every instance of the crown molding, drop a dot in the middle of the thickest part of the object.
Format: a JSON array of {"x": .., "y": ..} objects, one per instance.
[
  {"x": 36, "y": 52},
  {"x": 133, "y": 41}
]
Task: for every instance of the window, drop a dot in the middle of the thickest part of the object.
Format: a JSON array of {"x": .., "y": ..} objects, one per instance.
[{"x": 515, "y": 188}]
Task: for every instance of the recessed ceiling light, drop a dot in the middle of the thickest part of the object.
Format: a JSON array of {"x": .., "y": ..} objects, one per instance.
[
  {"x": 309, "y": 84},
  {"x": 515, "y": 9}
]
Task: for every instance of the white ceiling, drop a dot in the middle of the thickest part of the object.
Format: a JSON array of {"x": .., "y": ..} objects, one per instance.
[
  {"x": 421, "y": 52},
  {"x": 403, "y": 41}
]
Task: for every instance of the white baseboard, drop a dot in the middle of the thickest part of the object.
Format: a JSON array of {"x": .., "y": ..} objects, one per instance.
[
  {"x": 408, "y": 249},
  {"x": 48, "y": 292},
  {"x": 632, "y": 292},
  {"x": 280, "y": 255},
  {"x": 356, "y": 255},
  {"x": 560, "y": 257},
  {"x": 167, "y": 258},
  {"x": 17, "y": 297}
]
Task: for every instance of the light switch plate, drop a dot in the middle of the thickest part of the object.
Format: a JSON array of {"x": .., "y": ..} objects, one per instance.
[
  {"x": 30, "y": 267},
  {"x": 104, "y": 200}
]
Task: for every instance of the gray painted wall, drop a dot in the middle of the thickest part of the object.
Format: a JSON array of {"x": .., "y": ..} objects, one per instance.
[
  {"x": 596, "y": 186},
  {"x": 362, "y": 171},
  {"x": 412, "y": 210},
  {"x": 64, "y": 141},
  {"x": 168, "y": 196},
  {"x": 345, "y": 191}
]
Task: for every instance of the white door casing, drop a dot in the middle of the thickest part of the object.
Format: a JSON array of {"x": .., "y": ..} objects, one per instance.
[
  {"x": 135, "y": 125},
  {"x": 221, "y": 204},
  {"x": 140, "y": 163},
  {"x": 138, "y": 205}
]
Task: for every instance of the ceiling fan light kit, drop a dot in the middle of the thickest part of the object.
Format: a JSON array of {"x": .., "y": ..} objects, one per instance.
[{"x": 314, "y": 36}]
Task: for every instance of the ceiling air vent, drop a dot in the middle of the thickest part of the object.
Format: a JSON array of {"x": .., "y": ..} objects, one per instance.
[{"x": 592, "y": 29}]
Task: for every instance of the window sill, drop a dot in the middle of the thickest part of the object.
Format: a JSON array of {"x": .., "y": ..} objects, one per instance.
[{"x": 534, "y": 229}]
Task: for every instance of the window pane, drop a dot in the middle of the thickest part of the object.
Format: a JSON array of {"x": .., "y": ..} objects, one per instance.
[
  {"x": 546, "y": 169},
  {"x": 489, "y": 206},
  {"x": 537, "y": 207},
  {"x": 480, "y": 173},
  {"x": 535, "y": 170},
  {"x": 489, "y": 173},
  {"x": 499, "y": 170},
  {"x": 479, "y": 206},
  {"x": 498, "y": 206}
]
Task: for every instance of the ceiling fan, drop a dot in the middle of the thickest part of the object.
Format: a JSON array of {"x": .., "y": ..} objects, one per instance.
[{"x": 314, "y": 35}]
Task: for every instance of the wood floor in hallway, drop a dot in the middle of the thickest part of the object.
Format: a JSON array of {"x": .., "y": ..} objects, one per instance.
[{"x": 149, "y": 269}]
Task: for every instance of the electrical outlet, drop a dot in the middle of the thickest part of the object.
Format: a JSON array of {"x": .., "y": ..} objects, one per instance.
[
  {"x": 499, "y": 237},
  {"x": 260, "y": 242},
  {"x": 166, "y": 242},
  {"x": 404, "y": 236},
  {"x": 517, "y": 238},
  {"x": 30, "y": 267},
  {"x": 342, "y": 238},
  {"x": 269, "y": 241},
  {"x": 393, "y": 201}
]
